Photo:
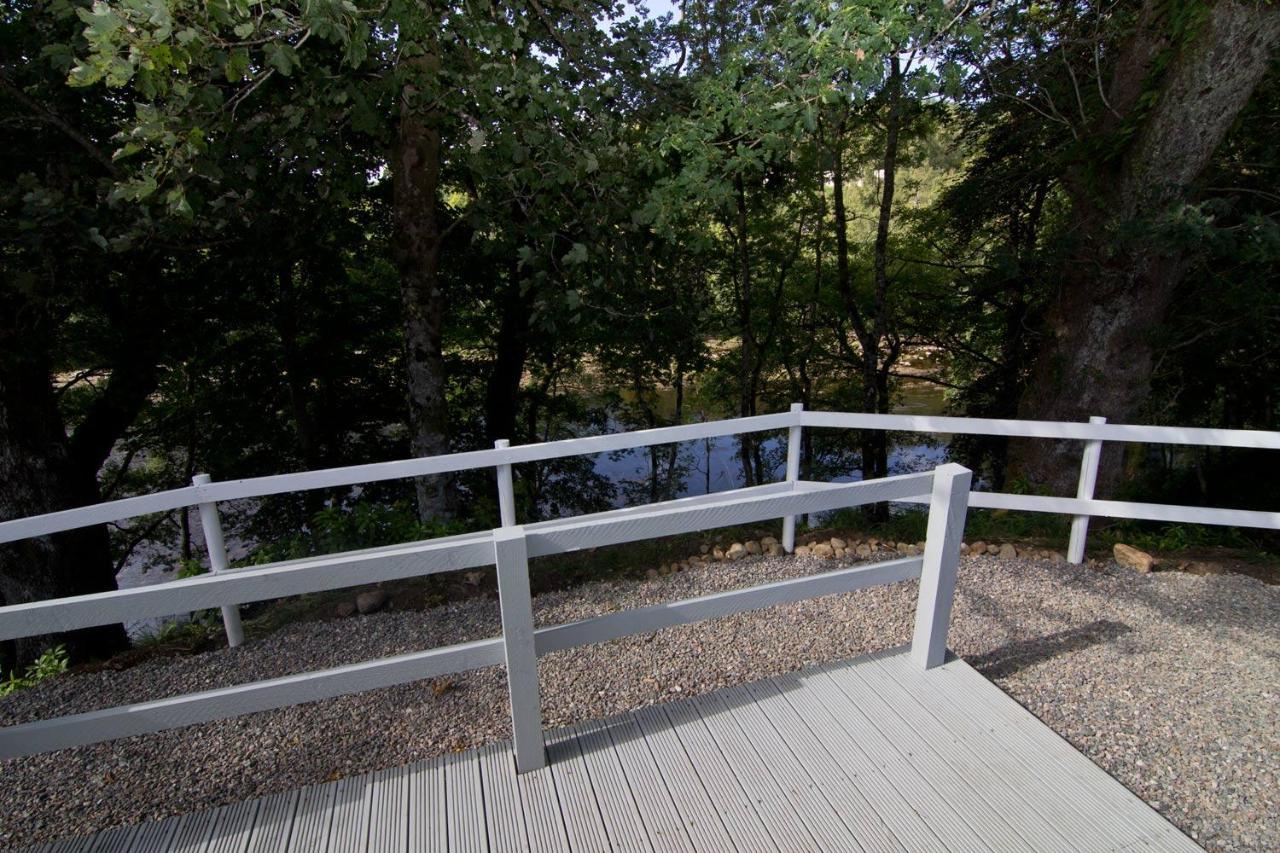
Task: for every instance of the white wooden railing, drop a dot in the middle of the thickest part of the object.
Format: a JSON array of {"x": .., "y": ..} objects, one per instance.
[
  {"x": 509, "y": 547},
  {"x": 520, "y": 643}
]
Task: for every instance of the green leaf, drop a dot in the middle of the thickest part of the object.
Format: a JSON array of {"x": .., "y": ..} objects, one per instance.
[
  {"x": 237, "y": 65},
  {"x": 281, "y": 57},
  {"x": 576, "y": 255}
]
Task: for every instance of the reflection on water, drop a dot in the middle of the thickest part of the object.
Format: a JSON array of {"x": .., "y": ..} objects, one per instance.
[{"x": 714, "y": 465}]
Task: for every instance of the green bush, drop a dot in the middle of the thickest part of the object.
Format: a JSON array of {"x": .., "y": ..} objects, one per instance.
[
  {"x": 50, "y": 663},
  {"x": 366, "y": 524},
  {"x": 1177, "y": 537}
]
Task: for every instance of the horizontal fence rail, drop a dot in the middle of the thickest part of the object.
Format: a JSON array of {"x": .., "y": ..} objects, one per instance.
[
  {"x": 126, "y": 508},
  {"x": 508, "y": 548},
  {"x": 1063, "y": 430}
]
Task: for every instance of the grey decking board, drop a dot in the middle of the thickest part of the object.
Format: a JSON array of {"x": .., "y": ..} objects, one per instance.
[
  {"x": 1087, "y": 787},
  {"x": 464, "y": 803},
  {"x": 872, "y": 754},
  {"x": 389, "y": 811},
  {"x": 312, "y": 818},
  {"x": 232, "y": 828},
  {"x": 1003, "y": 801},
  {"x": 945, "y": 801},
  {"x": 653, "y": 797},
  {"x": 1039, "y": 738},
  {"x": 193, "y": 832},
  {"x": 154, "y": 837},
  {"x": 617, "y": 803},
  {"x": 428, "y": 820},
  {"x": 272, "y": 826},
  {"x": 503, "y": 811},
  {"x": 1046, "y": 791},
  {"x": 544, "y": 819},
  {"x": 582, "y": 818},
  {"x": 845, "y": 787},
  {"x": 696, "y": 808},
  {"x": 349, "y": 829},
  {"x": 737, "y": 812},
  {"x": 819, "y": 808},
  {"x": 786, "y": 826},
  {"x": 899, "y": 798}
]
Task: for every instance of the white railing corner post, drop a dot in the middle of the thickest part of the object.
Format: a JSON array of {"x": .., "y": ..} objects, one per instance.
[
  {"x": 948, "y": 506},
  {"x": 794, "y": 438},
  {"x": 511, "y": 556},
  {"x": 506, "y": 488},
  {"x": 1084, "y": 490},
  {"x": 211, "y": 525}
]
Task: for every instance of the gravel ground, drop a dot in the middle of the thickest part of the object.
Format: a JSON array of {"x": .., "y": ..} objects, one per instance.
[{"x": 1168, "y": 681}]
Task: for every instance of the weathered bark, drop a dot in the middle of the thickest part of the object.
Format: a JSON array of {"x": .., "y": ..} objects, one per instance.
[
  {"x": 41, "y": 471},
  {"x": 1115, "y": 291},
  {"x": 415, "y": 167}
]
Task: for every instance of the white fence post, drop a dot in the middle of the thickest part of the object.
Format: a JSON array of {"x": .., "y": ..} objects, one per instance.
[
  {"x": 948, "y": 506},
  {"x": 793, "y": 474},
  {"x": 1084, "y": 490},
  {"x": 506, "y": 488},
  {"x": 511, "y": 555},
  {"x": 218, "y": 562}
]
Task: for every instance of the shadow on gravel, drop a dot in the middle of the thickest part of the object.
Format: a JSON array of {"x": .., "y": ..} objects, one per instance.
[{"x": 1016, "y": 656}]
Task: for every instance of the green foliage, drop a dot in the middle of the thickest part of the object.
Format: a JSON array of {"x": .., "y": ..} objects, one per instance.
[
  {"x": 1176, "y": 537},
  {"x": 188, "y": 634},
  {"x": 50, "y": 663},
  {"x": 981, "y": 525},
  {"x": 190, "y": 568},
  {"x": 362, "y": 524}
]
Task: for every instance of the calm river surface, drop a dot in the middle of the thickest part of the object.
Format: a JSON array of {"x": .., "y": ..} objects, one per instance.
[{"x": 714, "y": 464}]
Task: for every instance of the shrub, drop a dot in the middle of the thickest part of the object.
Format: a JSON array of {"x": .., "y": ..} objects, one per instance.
[{"x": 50, "y": 663}]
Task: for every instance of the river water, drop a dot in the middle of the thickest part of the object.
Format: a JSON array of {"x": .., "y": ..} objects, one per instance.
[{"x": 714, "y": 465}]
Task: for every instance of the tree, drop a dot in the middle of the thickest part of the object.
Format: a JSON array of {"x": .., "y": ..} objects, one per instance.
[{"x": 1176, "y": 77}]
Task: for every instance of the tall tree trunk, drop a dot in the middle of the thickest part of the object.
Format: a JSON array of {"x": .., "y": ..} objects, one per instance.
[
  {"x": 877, "y": 364},
  {"x": 297, "y": 385},
  {"x": 1097, "y": 354},
  {"x": 502, "y": 391},
  {"x": 677, "y": 418},
  {"x": 747, "y": 351},
  {"x": 868, "y": 347},
  {"x": 40, "y": 473},
  {"x": 415, "y": 166}
]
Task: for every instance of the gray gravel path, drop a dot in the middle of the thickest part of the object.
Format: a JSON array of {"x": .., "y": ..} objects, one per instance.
[{"x": 1171, "y": 682}]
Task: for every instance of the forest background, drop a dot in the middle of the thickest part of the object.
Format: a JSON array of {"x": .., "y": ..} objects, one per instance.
[{"x": 256, "y": 237}]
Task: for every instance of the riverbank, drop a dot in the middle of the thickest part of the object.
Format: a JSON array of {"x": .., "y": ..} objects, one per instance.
[{"x": 1165, "y": 680}]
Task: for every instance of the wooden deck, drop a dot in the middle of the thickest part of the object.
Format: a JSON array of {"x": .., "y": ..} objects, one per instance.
[{"x": 872, "y": 754}]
